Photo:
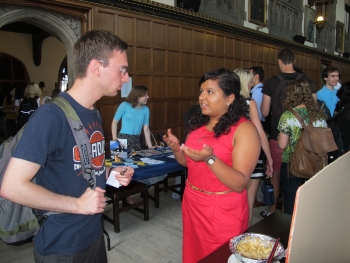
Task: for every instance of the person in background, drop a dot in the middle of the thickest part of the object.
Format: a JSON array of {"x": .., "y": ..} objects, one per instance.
[
  {"x": 299, "y": 98},
  {"x": 41, "y": 86},
  {"x": 75, "y": 233},
  {"x": 54, "y": 94},
  {"x": 135, "y": 116},
  {"x": 32, "y": 90},
  {"x": 328, "y": 94},
  {"x": 256, "y": 90},
  {"x": 246, "y": 78},
  {"x": 10, "y": 111},
  {"x": 286, "y": 61},
  {"x": 343, "y": 118},
  {"x": 221, "y": 151},
  {"x": 19, "y": 94}
]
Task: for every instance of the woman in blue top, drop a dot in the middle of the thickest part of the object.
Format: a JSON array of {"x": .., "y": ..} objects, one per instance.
[{"x": 134, "y": 115}]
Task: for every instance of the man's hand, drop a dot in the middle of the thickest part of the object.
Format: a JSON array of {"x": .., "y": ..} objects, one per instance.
[
  {"x": 91, "y": 202},
  {"x": 125, "y": 174}
]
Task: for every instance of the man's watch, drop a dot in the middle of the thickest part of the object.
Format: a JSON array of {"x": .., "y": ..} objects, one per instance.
[{"x": 211, "y": 160}]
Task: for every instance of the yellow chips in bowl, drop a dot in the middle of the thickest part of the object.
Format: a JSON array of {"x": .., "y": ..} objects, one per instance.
[{"x": 254, "y": 247}]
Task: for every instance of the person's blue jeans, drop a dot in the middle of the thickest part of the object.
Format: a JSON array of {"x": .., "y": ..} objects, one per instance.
[{"x": 289, "y": 185}]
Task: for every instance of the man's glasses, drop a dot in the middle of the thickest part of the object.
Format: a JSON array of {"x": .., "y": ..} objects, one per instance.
[{"x": 122, "y": 70}]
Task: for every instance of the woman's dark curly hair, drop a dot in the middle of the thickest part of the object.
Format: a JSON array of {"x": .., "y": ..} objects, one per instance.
[
  {"x": 299, "y": 92},
  {"x": 344, "y": 95},
  {"x": 229, "y": 82}
]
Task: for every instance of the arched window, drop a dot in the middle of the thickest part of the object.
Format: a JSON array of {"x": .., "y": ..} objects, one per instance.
[
  {"x": 63, "y": 75},
  {"x": 13, "y": 72}
]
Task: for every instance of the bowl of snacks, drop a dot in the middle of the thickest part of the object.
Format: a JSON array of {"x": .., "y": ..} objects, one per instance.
[{"x": 255, "y": 248}]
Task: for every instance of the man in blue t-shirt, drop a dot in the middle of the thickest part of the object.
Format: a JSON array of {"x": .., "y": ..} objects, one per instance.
[
  {"x": 328, "y": 94},
  {"x": 48, "y": 151}
]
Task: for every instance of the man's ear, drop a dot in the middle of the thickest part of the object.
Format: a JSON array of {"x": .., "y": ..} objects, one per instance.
[{"x": 94, "y": 67}]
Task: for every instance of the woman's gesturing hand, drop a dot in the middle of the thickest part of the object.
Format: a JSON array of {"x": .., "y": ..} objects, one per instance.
[
  {"x": 198, "y": 155},
  {"x": 172, "y": 141}
]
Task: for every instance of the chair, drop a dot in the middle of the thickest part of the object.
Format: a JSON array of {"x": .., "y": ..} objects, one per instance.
[
  {"x": 166, "y": 186},
  {"x": 120, "y": 194}
]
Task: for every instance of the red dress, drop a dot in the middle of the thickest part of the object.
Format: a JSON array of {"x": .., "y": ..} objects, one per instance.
[{"x": 210, "y": 220}]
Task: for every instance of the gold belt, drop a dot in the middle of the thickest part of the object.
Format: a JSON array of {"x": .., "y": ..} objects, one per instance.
[{"x": 207, "y": 192}]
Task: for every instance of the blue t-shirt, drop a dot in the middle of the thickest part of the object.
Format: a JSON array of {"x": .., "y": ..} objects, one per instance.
[
  {"x": 329, "y": 97},
  {"x": 133, "y": 119},
  {"x": 257, "y": 95},
  {"x": 48, "y": 141}
]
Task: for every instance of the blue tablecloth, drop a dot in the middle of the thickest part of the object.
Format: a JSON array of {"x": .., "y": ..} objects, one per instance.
[{"x": 170, "y": 165}]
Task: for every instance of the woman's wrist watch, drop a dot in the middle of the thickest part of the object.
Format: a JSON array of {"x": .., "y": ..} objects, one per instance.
[{"x": 211, "y": 160}]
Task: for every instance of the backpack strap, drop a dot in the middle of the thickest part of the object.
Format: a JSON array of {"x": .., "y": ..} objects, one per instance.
[
  {"x": 81, "y": 139},
  {"x": 299, "y": 118}
]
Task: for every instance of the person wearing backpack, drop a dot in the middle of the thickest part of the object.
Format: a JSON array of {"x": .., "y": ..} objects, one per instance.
[
  {"x": 30, "y": 102},
  {"x": 299, "y": 99},
  {"x": 274, "y": 93},
  {"x": 75, "y": 233}
]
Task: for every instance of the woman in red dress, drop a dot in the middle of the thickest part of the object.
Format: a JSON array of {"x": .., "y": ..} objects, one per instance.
[{"x": 221, "y": 152}]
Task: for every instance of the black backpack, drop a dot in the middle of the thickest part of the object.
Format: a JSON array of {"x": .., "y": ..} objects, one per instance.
[
  {"x": 27, "y": 107},
  {"x": 281, "y": 94}
]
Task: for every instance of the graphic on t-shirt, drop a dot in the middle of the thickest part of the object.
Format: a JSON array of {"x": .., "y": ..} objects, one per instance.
[{"x": 97, "y": 149}]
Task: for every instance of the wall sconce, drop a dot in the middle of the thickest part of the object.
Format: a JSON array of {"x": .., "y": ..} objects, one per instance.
[{"x": 321, "y": 13}]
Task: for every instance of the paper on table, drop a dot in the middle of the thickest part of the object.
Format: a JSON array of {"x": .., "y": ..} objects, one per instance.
[
  {"x": 112, "y": 180},
  {"x": 151, "y": 161}
]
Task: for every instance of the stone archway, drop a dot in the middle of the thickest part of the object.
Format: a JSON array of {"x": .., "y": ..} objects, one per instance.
[{"x": 66, "y": 28}]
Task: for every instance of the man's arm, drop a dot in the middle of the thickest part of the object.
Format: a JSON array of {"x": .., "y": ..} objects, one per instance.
[
  {"x": 17, "y": 187},
  {"x": 265, "y": 105}
]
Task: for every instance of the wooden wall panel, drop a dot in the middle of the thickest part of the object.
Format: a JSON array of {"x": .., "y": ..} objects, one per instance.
[
  {"x": 220, "y": 63},
  {"x": 186, "y": 88},
  {"x": 173, "y": 62},
  {"x": 245, "y": 50},
  {"x": 157, "y": 115},
  {"x": 237, "y": 48},
  {"x": 143, "y": 32},
  {"x": 260, "y": 53},
  {"x": 220, "y": 45},
  {"x": 209, "y": 63},
  {"x": 158, "y": 60},
  {"x": 186, "y": 39},
  {"x": 158, "y": 88},
  {"x": 198, "y": 41},
  {"x": 105, "y": 21},
  {"x": 209, "y": 43},
  {"x": 125, "y": 28},
  {"x": 198, "y": 64},
  {"x": 158, "y": 34},
  {"x": 186, "y": 59},
  {"x": 228, "y": 47},
  {"x": 253, "y": 51},
  {"x": 142, "y": 80},
  {"x": 173, "y": 87},
  {"x": 229, "y": 63},
  {"x": 173, "y": 36},
  {"x": 143, "y": 59},
  {"x": 172, "y": 113}
]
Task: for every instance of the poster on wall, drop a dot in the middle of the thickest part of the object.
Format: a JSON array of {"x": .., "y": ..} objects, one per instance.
[
  {"x": 339, "y": 36},
  {"x": 309, "y": 26},
  {"x": 127, "y": 86},
  {"x": 257, "y": 12}
]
